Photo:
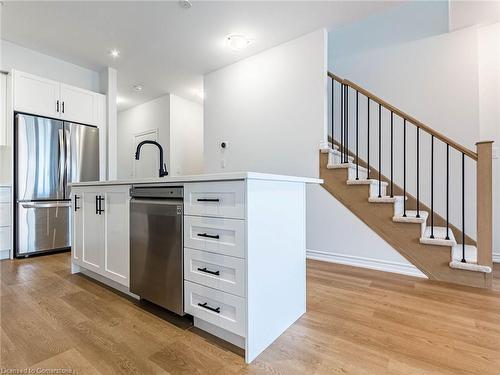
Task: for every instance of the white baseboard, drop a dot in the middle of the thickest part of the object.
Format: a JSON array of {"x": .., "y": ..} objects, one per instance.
[
  {"x": 4, "y": 254},
  {"x": 374, "y": 264},
  {"x": 496, "y": 257}
]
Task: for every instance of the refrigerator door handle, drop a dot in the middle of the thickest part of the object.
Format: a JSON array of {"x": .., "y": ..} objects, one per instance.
[
  {"x": 67, "y": 159},
  {"x": 46, "y": 205},
  {"x": 62, "y": 159}
]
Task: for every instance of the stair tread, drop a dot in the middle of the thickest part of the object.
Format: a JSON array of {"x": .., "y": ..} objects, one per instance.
[
  {"x": 346, "y": 165},
  {"x": 364, "y": 181},
  {"x": 385, "y": 199},
  {"x": 329, "y": 149},
  {"x": 439, "y": 237},
  {"x": 411, "y": 217}
]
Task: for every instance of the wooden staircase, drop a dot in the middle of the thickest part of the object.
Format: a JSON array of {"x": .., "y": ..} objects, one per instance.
[{"x": 439, "y": 249}]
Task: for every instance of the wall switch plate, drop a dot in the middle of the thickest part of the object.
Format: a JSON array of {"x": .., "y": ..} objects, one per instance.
[
  {"x": 223, "y": 163},
  {"x": 494, "y": 152}
]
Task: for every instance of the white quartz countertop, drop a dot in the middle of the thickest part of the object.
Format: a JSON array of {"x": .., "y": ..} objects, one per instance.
[{"x": 205, "y": 177}]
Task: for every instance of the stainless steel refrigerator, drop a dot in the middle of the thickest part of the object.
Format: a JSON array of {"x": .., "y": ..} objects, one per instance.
[{"x": 48, "y": 155}]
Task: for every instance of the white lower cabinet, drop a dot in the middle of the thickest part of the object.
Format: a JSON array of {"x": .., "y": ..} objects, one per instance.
[
  {"x": 101, "y": 231},
  {"x": 213, "y": 306}
]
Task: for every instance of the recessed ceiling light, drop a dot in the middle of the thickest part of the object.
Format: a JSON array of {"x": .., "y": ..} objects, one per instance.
[
  {"x": 186, "y": 4},
  {"x": 237, "y": 42},
  {"x": 137, "y": 88},
  {"x": 114, "y": 53}
]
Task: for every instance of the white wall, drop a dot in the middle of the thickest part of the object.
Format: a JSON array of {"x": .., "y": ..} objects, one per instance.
[
  {"x": 30, "y": 61},
  {"x": 180, "y": 132},
  {"x": 270, "y": 108},
  {"x": 186, "y": 136},
  {"x": 154, "y": 114},
  {"x": 489, "y": 111}
]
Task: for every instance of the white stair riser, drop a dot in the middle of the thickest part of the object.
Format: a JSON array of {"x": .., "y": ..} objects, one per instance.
[
  {"x": 352, "y": 174},
  {"x": 398, "y": 207},
  {"x": 374, "y": 190}
]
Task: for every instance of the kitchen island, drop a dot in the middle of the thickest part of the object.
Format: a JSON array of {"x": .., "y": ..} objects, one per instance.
[{"x": 245, "y": 282}]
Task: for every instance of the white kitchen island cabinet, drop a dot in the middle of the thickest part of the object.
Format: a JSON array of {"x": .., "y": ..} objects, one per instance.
[
  {"x": 244, "y": 249},
  {"x": 100, "y": 231}
]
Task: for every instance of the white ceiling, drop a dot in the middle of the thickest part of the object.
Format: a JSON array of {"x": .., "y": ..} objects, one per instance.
[{"x": 163, "y": 46}]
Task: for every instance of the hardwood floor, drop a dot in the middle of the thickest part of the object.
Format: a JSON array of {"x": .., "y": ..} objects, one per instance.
[{"x": 358, "y": 322}]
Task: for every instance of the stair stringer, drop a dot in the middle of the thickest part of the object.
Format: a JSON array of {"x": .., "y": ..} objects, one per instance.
[{"x": 432, "y": 260}]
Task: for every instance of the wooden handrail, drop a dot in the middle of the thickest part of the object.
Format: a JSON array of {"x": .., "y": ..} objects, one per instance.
[{"x": 406, "y": 116}]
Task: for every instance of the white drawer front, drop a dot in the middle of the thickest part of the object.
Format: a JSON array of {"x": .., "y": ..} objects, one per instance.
[
  {"x": 221, "y": 236},
  {"x": 219, "y": 199},
  {"x": 4, "y": 195},
  {"x": 5, "y": 238},
  {"x": 4, "y": 214},
  {"x": 215, "y": 271},
  {"x": 221, "y": 309}
]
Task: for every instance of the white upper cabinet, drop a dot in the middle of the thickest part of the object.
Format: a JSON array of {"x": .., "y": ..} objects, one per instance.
[
  {"x": 36, "y": 95},
  {"x": 44, "y": 97},
  {"x": 77, "y": 104}
]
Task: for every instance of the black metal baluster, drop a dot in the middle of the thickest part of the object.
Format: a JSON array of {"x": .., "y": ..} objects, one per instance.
[
  {"x": 432, "y": 186},
  {"x": 341, "y": 148},
  {"x": 463, "y": 207},
  {"x": 368, "y": 141},
  {"x": 404, "y": 167},
  {"x": 333, "y": 111},
  {"x": 418, "y": 172},
  {"x": 357, "y": 160},
  {"x": 379, "y": 150},
  {"x": 346, "y": 155},
  {"x": 392, "y": 154},
  {"x": 447, "y": 191}
]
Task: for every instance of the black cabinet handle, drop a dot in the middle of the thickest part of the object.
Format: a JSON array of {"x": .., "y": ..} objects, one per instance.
[
  {"x": 100, "y": 199},
  {"x": 57, "y": 106},
  {"x": 205, "y": 306},
  {"x": 204, "y": 269},
  {"x": 97, "y": 205},
  {"x": 76, "y": 203},
  {"x": 62, "y": 107},
  {"x": 215, "y": 236},
  {"x": 208, "y": 200}
]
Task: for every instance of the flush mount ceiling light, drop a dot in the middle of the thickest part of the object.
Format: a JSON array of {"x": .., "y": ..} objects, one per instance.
[
  {"x": 237, "y": 42},
  {"x": 186, "y": 4},
  {"x": 114, "y": 53},
  {"x": 137, "y": 88}
]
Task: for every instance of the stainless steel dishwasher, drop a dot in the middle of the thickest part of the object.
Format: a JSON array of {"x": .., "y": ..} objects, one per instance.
[{"x": 156, "y": 246}]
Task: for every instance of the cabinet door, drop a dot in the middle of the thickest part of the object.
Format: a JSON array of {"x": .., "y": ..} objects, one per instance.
[
  {"x": 116, "y": 252},
  {"x": 77, "y": 104},
  {"x": 77, "y": 226},
  {"x": 36, "y": 95},
  {"x": 93, "y": 232}
]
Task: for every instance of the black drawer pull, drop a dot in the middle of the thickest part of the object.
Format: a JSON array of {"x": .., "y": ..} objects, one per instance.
[
  {"x": 76, "y": 203},
  {"x": 208, "y": 200},
  {"x": 204, "y": 269},
  {"x": 215, "y": 236},
  {"x": 205, "y": 306}
]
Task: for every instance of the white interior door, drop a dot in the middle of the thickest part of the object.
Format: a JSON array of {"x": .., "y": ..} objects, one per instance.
[{"x": 148, "y": 164}]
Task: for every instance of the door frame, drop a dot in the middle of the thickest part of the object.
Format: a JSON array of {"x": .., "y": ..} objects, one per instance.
[{"x": 155, "y": 132}]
